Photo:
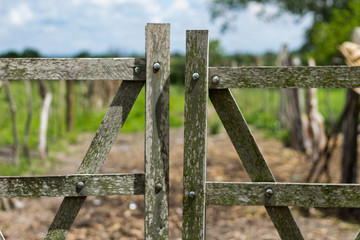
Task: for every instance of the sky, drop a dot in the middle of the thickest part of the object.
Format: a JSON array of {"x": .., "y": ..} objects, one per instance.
[{"x": 65, "y": 28}]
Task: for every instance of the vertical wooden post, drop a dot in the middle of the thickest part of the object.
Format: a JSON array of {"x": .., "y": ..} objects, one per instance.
[
  {"x": 196, "y": 96},
  {"x": 157, "y": 131}
]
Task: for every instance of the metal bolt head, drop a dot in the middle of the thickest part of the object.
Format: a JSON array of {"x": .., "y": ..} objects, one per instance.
[
  {"x": 216, "y": 79},
  {"x": 80, "y": 185},
  {"x": 158, "y": 187},
  {"x": 269, "y": 192},
  {"x": 195, "y": 76},
  {"x": 156, "y": 66},
  {"x": 192, "y": 194},
  {"x": 137, "y": 70}
]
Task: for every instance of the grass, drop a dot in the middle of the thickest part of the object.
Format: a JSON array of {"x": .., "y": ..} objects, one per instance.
[{"x": 259, "y": 106}]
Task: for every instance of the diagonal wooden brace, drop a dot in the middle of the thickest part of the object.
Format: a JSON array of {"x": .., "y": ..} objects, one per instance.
[
  {"x": 96, "y": 154},
  {"x": 249, "y": 153}
]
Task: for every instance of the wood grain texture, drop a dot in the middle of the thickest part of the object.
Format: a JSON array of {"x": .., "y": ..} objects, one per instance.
[
  {"x": 96, "y": 154},
  {"x": 284, "y": 194},
  {"x": 285, "y": 77},
  {"x": 157, "y": 131},
  {"x": 58, "y": 186},
  {"x": 71, "y": 69},
  {"x": 195, "y": 134},
  {"x": 250, "y": 155}
]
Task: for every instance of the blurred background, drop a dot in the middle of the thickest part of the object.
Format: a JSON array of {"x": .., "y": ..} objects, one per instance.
[{"x": 306, "y": 135}]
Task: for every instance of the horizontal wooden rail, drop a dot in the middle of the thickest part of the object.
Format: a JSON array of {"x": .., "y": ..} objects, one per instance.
[
  {"x": 283, "y": 194},
  {"x": 285, "y": 77},
  {"x": 70, "y": 186},
  {"x": 71, "y": 69}
]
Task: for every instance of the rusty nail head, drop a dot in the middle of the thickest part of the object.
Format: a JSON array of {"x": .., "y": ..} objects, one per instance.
[
  {"x": 192, "y": 194},
  {"x": 158, "y": 187},
  {"x": 156, "y": 66},
  {"x": 269, "y": 192},
  {"x": 195, "y": 76},
  {"x": 216, "y": 79},
  {"x": 137, "y": 70},
  {"x": 80, "y": 185}
]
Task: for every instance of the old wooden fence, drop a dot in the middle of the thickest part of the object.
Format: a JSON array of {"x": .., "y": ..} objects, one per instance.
[
  {"x": 154, "y": 72},
  {"x": 201, "y": 82}
]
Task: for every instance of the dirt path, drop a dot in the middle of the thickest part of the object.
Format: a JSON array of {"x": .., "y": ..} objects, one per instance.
[{"x": 112, "y": 218}]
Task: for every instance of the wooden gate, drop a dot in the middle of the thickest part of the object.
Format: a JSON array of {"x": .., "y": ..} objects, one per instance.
[
  {"x": 154, "y": 72},
  {"x": 202, "y": 82}
]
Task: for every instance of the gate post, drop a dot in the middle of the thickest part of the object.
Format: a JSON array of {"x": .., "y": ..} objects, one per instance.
[
  {"x": 157, "y": 131},
  {"x": 195, "y": 127}
]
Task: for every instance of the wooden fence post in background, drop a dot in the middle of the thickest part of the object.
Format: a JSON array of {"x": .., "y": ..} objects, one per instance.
[
  {"x": 195, "y": 127},
  {"x": 157, "y": 131}
]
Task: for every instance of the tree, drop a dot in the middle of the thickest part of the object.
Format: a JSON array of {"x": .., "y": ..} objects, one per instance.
[
  {"x": 328, "y": 35},
  {"x": 322, "y": 10}
]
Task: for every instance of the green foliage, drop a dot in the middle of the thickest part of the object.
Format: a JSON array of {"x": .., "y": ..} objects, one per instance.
[
  {"x": 327, "y": 36},
  {"x": 343, "y": 14},
  {"x": 320, "y": 9},
  {"x": 27, "y": 53},
  {"x": 177, "y": 69},
  {"x": 33, "y": 166},
  {"x": 261, "y": 106},
  {"x": 216, "y": 53},
  {"x": 269, "y": 59},
  {"x": 214, "y": 125}
]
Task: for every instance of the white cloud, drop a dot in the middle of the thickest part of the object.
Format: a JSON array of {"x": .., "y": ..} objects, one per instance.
[
  {"x": 20, "y": 15},
  {"x": 180, "y": 5},
  {"x": 66, "y": 27}
]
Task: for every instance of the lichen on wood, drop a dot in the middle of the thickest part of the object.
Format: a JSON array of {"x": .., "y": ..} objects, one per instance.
[
  {"x": 195, "y": 127},
  {"x": 157, "y": 131},
  {"x": 71, "y": 69},
  {"x": 285, "y": 77}
]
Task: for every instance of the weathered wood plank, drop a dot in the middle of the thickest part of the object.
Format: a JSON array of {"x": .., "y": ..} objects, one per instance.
[
  {"x": 285, "y": 77},
  {"x": 96, "y": 154},
  {"x": 195, "y": 127},
  {"x": 71, "y": 69},
  {"x": 250, "y": 155},
  {"x": 157, "y": 131},
  {"x": 284, "y": 194},
  {"x": 58, "y": 186}
]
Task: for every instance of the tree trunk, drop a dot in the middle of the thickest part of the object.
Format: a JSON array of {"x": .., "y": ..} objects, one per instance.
[
  {"x": 314, "y": 131},
  {"x": 28, "y": 119},
  {"x": 289, "y": 111},
  {"x": 44, "y": 119},
  {"x": 294, "y": 119},
  {"x": 60, "y": 111},
  {"x": 69, "y": 105},
  {"x": 15, "y": 157},
  {"x": 349, "y": 154}
]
